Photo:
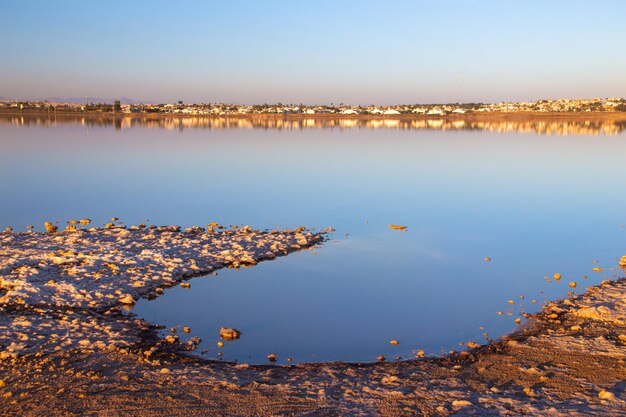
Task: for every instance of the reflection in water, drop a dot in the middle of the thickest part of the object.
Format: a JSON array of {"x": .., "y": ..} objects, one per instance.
[{"x": 578, "y": 126}]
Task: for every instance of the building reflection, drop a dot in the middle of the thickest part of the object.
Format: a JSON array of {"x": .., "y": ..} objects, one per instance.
[{"x": 543, "y": 126}]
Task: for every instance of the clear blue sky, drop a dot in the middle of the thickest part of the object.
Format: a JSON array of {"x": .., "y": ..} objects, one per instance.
[{"x": 356, "y": 52}]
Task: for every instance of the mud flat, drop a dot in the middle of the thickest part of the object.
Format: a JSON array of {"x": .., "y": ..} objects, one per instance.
[{"x": 67, "y": 348}]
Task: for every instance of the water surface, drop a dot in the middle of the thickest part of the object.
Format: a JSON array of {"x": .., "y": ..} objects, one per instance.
[{"x": 536, "y": 204}]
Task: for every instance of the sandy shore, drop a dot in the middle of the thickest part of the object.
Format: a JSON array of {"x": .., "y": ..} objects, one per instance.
[{"x": 67, "y": 349}]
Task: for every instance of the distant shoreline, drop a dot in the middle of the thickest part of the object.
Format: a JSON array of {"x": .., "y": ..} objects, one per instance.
[{"x": 478, "y": 116}]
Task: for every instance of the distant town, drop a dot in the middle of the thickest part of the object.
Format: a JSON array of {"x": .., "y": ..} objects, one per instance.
[{"x": 221, "y": 109}]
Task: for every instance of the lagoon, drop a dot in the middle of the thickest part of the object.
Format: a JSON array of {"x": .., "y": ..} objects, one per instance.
[{"x": 536, "y": 204}]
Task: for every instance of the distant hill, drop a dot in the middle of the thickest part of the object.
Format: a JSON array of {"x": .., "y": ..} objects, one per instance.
[{"x": 81, "y": 100}]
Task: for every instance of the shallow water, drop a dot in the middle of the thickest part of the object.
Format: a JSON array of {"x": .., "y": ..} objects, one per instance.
[{"x": 536, "y": 204}]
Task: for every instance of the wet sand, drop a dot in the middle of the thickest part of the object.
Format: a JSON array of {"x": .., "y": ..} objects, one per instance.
[{"x": 569, "y": 359}]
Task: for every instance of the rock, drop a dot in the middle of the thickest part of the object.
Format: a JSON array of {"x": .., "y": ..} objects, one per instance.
[
  {"x": 397, "y": 227},
  {"x": 487, "y": 259},
  {"x": 601, "y": 313},
  {"x": 557, "y": 277},
  {"x": 472, "y": 345},
  {"x": 185, "y": 285},
  {"x": 193, "y": 342},
  {"x": 171, "y": 338},
  {"x": 127, "y": 299},
  {"x": 50, "y": 228},
  {"x": 572, "y": 284},
  {"x": 461, "y": 403},
  {"x": 8, "y": 229},
  {"x": 272, "y": 357},
  {"x": 164, "y": 371},
  {"x": 606, "y": 395},
  {"x": 248, "y": 260},
  {"x": 420, "y": 353},
  {"x": 220, "y": 344},
  {"x": 229, "y": 333},
  {"x": 622, "y": 262},
  {"x": 169, "y": 228},
  {"x": 596, "y": 269},
  {"x": 380, "y": 358},
  {"x": 186, "y": 329},
  {"x": 394, "y": 342},
  {"x": 73, "y": 222},
  {"x": 84, "y": 221}
]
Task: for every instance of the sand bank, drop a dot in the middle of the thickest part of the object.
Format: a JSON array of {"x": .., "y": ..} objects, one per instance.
[{"x": 65, "y": 290}]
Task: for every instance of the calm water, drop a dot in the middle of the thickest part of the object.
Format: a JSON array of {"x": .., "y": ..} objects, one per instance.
[{"x": 536, "y": 204}]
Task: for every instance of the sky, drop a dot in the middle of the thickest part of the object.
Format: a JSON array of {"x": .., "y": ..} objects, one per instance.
[{"x": 313, "y": 52}]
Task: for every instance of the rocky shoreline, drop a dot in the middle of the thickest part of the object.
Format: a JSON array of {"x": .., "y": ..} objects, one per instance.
[{"x": 68, "y": 349}]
